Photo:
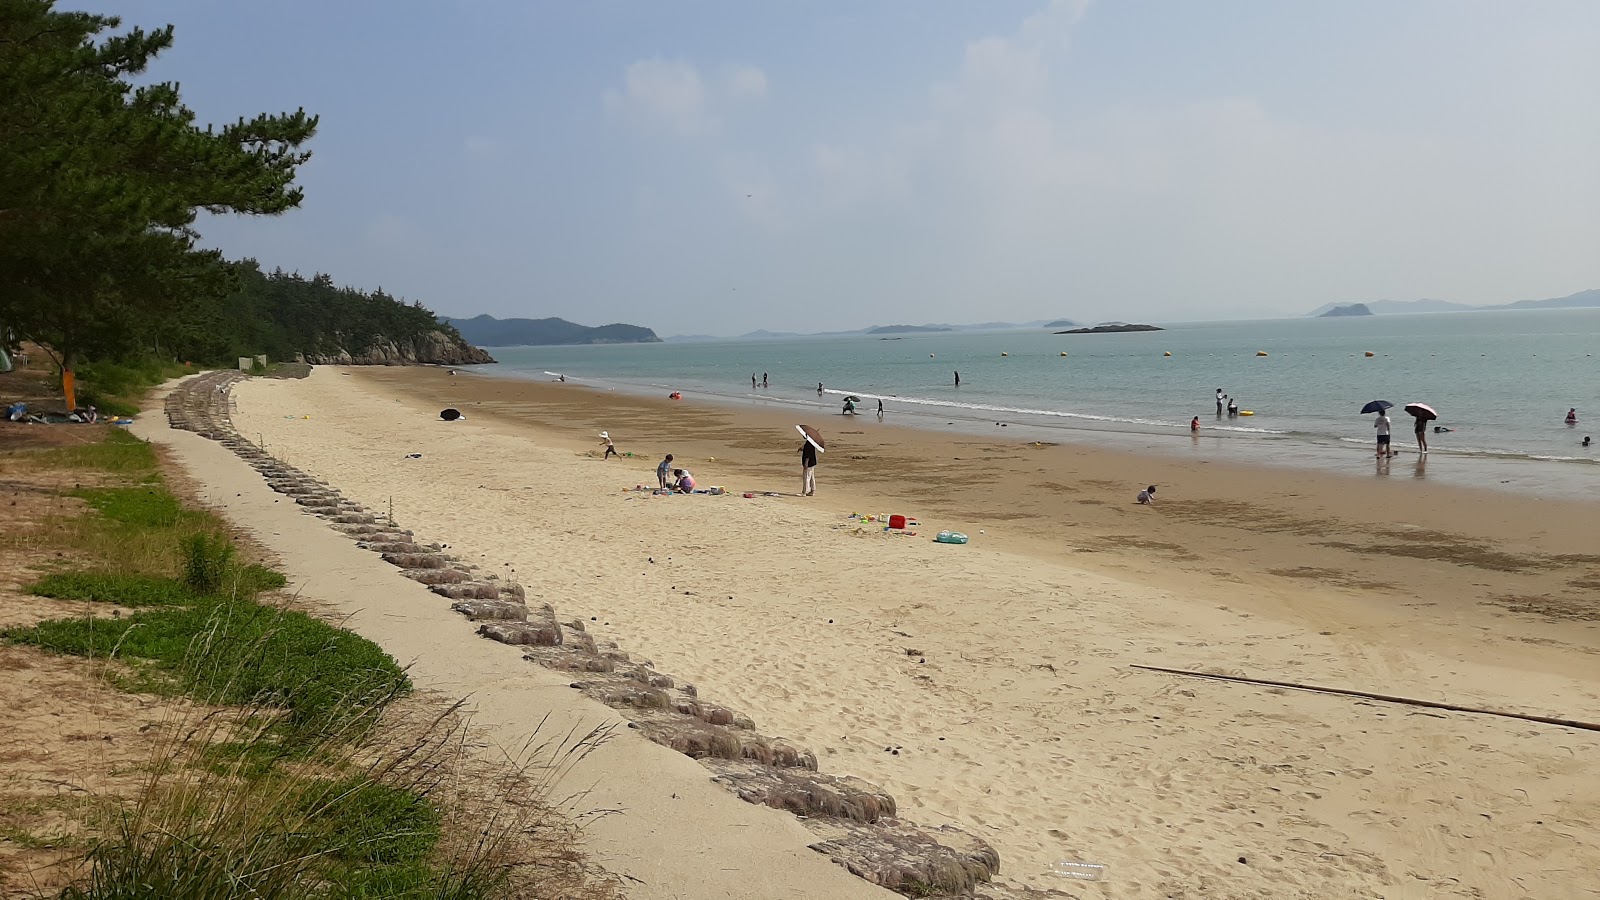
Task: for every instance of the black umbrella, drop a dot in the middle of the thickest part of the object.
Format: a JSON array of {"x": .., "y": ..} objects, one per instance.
[
  {"x": 1376, "y": 406},
  {"x": 450, "y": 415}
]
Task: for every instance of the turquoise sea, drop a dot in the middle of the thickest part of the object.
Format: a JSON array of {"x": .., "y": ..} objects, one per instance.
[{"x": 1502, "y": 381}]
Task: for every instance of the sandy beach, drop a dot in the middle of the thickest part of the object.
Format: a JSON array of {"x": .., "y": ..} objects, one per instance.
[{"x": 991, "y": 685}]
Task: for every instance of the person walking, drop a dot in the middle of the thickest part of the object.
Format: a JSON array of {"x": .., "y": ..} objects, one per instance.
[
  {"x": 1382, "y": 425},
  {"x": 1422, "y": 435},
  {"x": 611, "y": 449},
  {"x": 819, "y": 389},
  {"x": 808, "y": 464},
  {"x": 880, "y": 409},
  {"x": 663, "y": 470}
]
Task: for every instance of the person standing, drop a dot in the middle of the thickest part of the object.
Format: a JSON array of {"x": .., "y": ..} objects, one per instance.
[
  {"x": 819, "y": 389},
  {"x": 1219, "y": 403},
  {"x": 1382, "y": 425},
  {"x": 752, "y": 381},
  {"x": 1233, "y": 408},
  {"x": 663, "y": 470},
  {"x": 880, "y": 409},
  {"x": 1422, "y": 435},
  {"x": 808, "y": 464},
  {"x": 611, "y": 449},
  {"x": 763, "y": 379},
  {"x": 958, "y": 379}
]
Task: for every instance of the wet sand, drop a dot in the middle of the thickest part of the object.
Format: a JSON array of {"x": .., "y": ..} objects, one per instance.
[{"x": 1018, "y": 715}]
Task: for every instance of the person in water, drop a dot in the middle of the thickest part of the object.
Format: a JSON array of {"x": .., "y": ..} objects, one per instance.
[
  {"x": 1586, "y": 440},
  {"x": 849, "y": 408},
  {"x": 1219, "y": 402},
  {"x": 1572, "y": 416},
  {"x": 880, "y": 411},
  {"x": 1382, "y": 424},
  {"x": 752, "y": 381},
  {"x": 1233, "y": 408},
  {"x": 1422, "y": 434},
  {"x": 1194, "y": 424},
  {"x": 819, "y": 389},
  {"x": 763, "y": 379},
  {"x": 958, "y": 379}
]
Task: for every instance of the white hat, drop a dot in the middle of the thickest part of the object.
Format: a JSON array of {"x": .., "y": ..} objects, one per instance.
[{"x": 606, "y": 435}]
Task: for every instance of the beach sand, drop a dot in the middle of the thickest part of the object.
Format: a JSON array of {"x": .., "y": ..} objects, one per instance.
[{"x": 1001, "y": 670}]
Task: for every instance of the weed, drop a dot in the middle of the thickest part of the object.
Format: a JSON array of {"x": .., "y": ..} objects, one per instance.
[
  {"x": 207, "y": 561},
  {"x": 113, "y": 587},
  {"x": 120, "y": 453}
]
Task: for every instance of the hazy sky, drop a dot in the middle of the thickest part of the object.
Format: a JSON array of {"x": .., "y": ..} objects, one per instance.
[{"x": 721, "y": 167}]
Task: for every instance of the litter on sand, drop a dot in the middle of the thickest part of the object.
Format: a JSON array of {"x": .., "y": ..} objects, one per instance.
[{"x": 951, "y": 537}]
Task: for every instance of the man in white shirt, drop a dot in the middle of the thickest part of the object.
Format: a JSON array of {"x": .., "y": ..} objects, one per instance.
[{"x": 1382, "y": 424}]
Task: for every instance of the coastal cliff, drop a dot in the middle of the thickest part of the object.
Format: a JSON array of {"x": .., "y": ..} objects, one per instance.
[{"x": 432, "y": 348}]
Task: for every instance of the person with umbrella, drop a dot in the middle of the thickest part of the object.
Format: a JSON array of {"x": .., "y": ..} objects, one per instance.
[
  {"x": 1423, "y": 414},
  {"x": 808, "y": 459},
  {"x": 1382, "y": 424}
]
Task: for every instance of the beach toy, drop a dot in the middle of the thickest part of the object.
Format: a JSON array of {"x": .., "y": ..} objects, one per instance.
[
  {"x": 1247, "y": 412},
  {"x": 897, "y": 521},
  {"x": 749, "y": 496},
  {"x": 951, "y": 537}
]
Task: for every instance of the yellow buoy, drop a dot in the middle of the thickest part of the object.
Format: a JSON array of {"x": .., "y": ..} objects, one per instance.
[
  {"x": 1261, "y": 353},
  {"x": 1168, "y": 353},
  {"x": 1369, "y": 353},
  {"x": 1247, "y": 412}
]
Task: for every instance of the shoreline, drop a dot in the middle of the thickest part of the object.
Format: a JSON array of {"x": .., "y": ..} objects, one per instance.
[
  {"x": 1502, "y": 472},
  {"x": 1053, "y": 748}
]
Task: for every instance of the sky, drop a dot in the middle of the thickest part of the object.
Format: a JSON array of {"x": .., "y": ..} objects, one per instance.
[{"x": 719, "y": 167}]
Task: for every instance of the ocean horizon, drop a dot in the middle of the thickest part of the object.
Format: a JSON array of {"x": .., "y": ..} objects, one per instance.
[{"x": 1502, "y": 382}]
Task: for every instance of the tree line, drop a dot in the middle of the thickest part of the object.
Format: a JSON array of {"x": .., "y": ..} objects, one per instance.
[{"x": 101, "y": 183}]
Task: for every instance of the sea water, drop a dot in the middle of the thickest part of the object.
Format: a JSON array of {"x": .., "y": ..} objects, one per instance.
[{"x": 1502, "y": 382}]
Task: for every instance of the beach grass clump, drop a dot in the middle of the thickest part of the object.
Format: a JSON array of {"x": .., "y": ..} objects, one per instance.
[
  {"x": 207, "y": 559},
  {"x": 229, "y": 651},
  {"x": 121, "y": 588},
  {"x": 120, "y": 453}
]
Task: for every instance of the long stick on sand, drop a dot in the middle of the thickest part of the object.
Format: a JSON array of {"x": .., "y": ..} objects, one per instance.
[{"x": 1408, "y": 701}]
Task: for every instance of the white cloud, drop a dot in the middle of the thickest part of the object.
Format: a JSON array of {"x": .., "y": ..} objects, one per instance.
[
  {"x": 674, "y": 96},
  {"x": 664, "y": 93},
  {"x": 744, "y": 83}
]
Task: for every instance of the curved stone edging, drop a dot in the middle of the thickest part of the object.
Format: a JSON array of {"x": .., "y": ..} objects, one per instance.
[{"x": 853, "y": 820}]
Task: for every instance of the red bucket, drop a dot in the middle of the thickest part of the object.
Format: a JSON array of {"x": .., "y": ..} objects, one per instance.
[{"x": 897, "y": 521}]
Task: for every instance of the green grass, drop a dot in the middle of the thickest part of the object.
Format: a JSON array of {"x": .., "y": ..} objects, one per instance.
[
  {"x": 119, "y": 454},
  {"x": 239, "y": 651},
  {"x": 113, "y": 587},
  {"x": 117, "y": 388}
]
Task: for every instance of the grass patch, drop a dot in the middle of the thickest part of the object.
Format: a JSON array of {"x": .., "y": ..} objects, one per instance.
[
  {"x": 113, "y": 587},
  {"x": 120, "y": 454},
  {"x": 238, "y": 651}
]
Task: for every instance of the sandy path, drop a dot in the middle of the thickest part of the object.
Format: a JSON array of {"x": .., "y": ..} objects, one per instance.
[{"x": 1024, "y": 722}]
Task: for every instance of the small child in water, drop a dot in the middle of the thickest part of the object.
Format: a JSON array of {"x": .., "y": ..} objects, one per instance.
[{"x": 1147, "y": 496}]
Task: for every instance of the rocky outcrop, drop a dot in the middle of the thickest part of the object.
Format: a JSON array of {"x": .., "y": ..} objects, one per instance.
[{"x": 434, "y": 348}]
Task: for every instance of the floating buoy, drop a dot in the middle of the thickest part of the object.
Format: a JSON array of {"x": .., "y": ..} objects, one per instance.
[
  {"x": 1369, "y": 354},
  {"x": 1261, "y": 353},
  {"x": 1168, "y": 353},
  {"x": 930, "y": 356},
  {"x": 1063, "y": 353},
  {"x": 1003, "y": 353},
  {"x": 1247, "y": 412}
]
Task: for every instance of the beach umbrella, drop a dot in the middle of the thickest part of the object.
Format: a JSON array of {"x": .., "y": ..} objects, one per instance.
[
  {"x": 853, "y": 398},
  {"x": 1376, "y": 406},
  {"x": 450, "y": 415},
  {"x": 1422, "y": 411},
  {"x": 813, "y": 437}
]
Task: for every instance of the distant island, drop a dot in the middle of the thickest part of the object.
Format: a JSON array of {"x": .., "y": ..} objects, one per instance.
[
  {"x": 906, "y": 329},
  {"x": 1112, "y": 329},
  {"x": 1581, "y": 300},
  {"x": 1061, "y": 323},
  {"x": 1349, "y": 309},
  {"x": 488, "y": 331}
]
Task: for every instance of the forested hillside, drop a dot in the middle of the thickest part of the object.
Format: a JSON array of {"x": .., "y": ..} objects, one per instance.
[{"x": 492, "y": 332}]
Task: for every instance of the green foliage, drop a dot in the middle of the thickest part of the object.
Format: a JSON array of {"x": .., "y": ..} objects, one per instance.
[
  {"x": 146, "y": 506},
  {"x": 114, "y": 387},
  {"x": 373, "y": 822},
  {"x": 101, "y": 182},
  {"x": 227, "y": 651},
  {"x": 207, "y": 560},
  {"x": 120, "y": 453},
  {"x": 121, "y": 588}
]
